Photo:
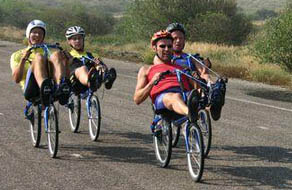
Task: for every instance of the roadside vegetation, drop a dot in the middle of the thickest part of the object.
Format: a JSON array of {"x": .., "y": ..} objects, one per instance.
[{"x": 255, "y": 46}]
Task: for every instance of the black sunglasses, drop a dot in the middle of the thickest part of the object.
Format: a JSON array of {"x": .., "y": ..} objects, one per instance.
[{"x": 164, "y": 46}]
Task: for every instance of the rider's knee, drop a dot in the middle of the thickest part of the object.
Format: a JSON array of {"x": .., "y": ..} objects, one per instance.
[
  {"x": 58, "y": 57},
  {"x": 38, "y": 62}
]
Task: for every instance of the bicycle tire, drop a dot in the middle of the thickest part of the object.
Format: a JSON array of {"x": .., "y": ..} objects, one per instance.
[
  {"x": 94, "y": 118},
  {"x": 52, "y": 131},
  {"x": 74, "y": 109},
  {"x": 205, "y": 125},
  {"x": 195, "y": 155},
  {"x": 35, "y": 124},
  {"x": 175, "y": 134},
  {"x": 163, "y": 142}
]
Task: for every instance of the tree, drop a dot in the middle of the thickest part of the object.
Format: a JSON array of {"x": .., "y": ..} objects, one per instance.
[
  {"x": 206, "y": 20},
  {"x": 274, "y": 44}
]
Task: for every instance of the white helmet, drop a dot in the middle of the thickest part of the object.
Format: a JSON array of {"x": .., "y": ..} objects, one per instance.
[
  {"x": 35, "y": 24},
  {"x": 74, "y": 30}
]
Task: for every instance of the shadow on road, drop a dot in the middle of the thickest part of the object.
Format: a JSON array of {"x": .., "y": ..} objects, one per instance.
[
  {"x": 284, "y": 96},
  {"x": 277, "y": 177},
  {"x": 117, "y": 147}
]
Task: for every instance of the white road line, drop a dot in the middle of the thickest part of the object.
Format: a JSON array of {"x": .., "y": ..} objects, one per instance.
[
  {"x": 264, "y": 128},
  {"x": 77, "y": 155},
  {"x": 260, "y": 104}
]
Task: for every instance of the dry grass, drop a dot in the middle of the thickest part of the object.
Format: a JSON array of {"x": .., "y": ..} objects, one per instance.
[
  {"x": 12, "y": 33},
  {"x": 229, "y": 61}
]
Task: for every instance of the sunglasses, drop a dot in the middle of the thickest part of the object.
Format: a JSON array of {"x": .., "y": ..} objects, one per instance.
[{"x": 164, "y": 46}]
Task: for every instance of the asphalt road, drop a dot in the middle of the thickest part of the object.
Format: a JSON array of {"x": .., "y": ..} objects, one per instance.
[{"x": 252, "y": 146}]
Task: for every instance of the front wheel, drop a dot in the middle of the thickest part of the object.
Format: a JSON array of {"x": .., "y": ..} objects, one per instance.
[
  {"x": 195, "y": 154},
  {"x": 204, "y": 123},
  {"x": 74, "y": 108},
  {"x": 94, "y": 118},
  {"x": 163, "y": 142},
  {"x": 52, "y": 129},
  {"x": 35, "y": 123}
]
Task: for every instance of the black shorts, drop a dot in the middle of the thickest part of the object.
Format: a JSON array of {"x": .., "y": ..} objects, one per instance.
[
  {"x": 31, "y": 88},
  {"x": 78, "y": 63}
]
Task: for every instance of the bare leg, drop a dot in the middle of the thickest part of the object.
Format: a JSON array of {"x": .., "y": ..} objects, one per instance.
[
  {"x": 39, "y": 69},
  {"x": 58, "y": 63},
  {"x": 82, "y": 75},
  {"x": 174, "y": 102}
]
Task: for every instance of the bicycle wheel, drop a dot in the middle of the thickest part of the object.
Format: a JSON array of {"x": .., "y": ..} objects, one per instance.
[
  {"x": 52, "y": 129},
  {"x": 204, "y": 123},
  {"x": 94, "y": 118},
  {"x": 74, "y": 108},
  {"x": 35, "y": 122},
  {"x": 163, "y": 142},
  {"x": 195, "y": 155},
  {"x": 175, "y": 134}
]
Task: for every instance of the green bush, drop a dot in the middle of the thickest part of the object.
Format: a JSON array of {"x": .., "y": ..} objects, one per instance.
[
  {"x": 58, "y": 19},
  {"x": 274, "y": 44},
  {"x": 210, "y": 21}
]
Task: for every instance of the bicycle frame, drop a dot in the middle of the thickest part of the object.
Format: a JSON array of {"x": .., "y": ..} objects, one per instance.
[
  {"x": 47, "y": 52},
  {"x": 183, "y": 119}
]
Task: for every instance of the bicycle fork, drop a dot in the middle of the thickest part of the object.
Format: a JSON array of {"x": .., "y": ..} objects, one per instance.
[{"x": 195, "y": 136}]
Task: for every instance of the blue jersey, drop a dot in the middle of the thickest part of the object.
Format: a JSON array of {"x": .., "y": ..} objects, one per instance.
[{"x": 184, "y": 60}]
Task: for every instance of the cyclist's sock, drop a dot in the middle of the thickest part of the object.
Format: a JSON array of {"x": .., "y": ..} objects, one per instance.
[
  {"x": 95, "y": 79},
  {"x": 193, "y": 105},
  {"x": 111, "y": 76},
  {"x": 46, "y": 91},
  {"x": 64, "y": 91}
]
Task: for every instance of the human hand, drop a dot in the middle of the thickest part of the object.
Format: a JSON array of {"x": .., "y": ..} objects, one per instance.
[
  {"x": 25, "y": 54},
  {"x": 156, "y": 78},
  {"x": 67, "y": 54}
]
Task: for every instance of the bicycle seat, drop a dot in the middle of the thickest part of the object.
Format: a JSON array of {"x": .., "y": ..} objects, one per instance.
[{"x": 165, "y": 113}]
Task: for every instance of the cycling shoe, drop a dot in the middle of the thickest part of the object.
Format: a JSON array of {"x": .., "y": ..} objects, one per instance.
[
  {"x": 46, "y": 91},
  {"x": 63, "y": 91},
  {"x": 95, "y": 79},
  {"x": 217, "y": 99},
  {"x": 193, "y": 105},
  {"x": 111, "y": 76}
]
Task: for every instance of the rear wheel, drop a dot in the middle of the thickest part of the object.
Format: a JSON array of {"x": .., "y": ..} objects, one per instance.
[
  {"x": 204, "y": 123},
  {"x": 35, "y": 122},
  {"x": 74, "y": 108},
  {"x": 195, "y": 155},
  {"x": 52, "y": 130},
  {"x": 163, "y": 142},
  {"x": 94, "y": 118}
]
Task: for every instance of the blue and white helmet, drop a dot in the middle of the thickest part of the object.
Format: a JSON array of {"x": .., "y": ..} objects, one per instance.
[
  {"x": 35, "y": 24},
  {"x": 73, "y": 31}
]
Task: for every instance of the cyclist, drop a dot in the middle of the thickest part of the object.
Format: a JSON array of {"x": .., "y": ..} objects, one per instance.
[
  {"x": 31, "y": 72},
  {"x": 178, "y": 33},
  {"x": 88, "y": 75},
  {"x": 167, "y": 93}
]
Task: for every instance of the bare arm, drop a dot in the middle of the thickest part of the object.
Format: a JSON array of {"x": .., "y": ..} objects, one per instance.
[
  {"x": 17, "y": 72},
  {"x": 203, "y": 71},
  {"x": 143, "y": 87}
]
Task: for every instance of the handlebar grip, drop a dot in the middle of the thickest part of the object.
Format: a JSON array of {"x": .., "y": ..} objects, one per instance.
[
  {"x": 156, "y": 82},
  {"x": 161, "y": 76}
]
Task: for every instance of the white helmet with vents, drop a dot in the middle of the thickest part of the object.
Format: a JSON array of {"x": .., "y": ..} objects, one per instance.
[
  {"x": 35, "y": 24},
  {"x": 73, "y": 31}
]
